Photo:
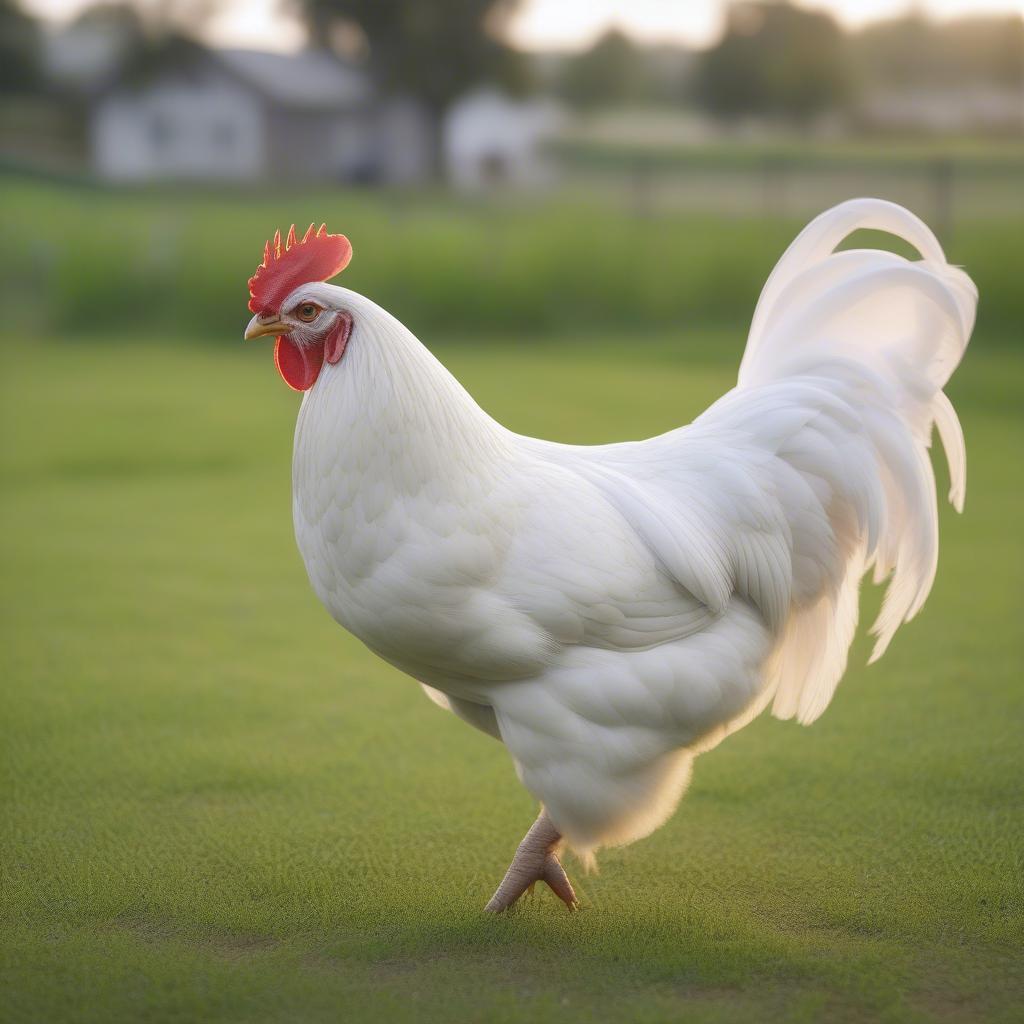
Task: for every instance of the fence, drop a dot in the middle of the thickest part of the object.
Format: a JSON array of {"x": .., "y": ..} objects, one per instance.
[{"x": 943, "y": 189}]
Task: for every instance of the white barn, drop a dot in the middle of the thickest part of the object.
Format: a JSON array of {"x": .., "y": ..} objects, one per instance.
[
  {"x": 248, "y": 116},
  {"x": 493, "y": 140}
]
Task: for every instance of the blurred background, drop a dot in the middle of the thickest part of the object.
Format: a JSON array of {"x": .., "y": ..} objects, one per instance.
[
  {"x": 482, "y": 152},
  {"x": 219, "y": 806}
]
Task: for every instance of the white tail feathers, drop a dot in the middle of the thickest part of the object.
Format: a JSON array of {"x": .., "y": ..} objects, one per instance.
[{"x": 880, "y": 335}]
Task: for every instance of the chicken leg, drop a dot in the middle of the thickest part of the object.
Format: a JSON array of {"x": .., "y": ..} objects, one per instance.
[{"x": 536, "y": 860}]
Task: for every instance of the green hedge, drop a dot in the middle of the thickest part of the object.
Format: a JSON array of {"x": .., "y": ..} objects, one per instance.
[{"x": 81, "y": 259}]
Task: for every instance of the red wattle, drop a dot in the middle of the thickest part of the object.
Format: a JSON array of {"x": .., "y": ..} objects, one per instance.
[{"x": 299, "y": 366}]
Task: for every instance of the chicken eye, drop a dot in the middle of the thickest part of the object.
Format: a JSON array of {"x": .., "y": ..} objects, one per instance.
[{"x": 308, "y": 312}]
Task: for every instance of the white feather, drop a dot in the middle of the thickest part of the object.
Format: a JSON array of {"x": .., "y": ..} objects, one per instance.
[{"x": 609, "y": 612}]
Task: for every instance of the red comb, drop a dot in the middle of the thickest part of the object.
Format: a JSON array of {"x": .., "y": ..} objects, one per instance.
[{"x": 318, "y": 257}]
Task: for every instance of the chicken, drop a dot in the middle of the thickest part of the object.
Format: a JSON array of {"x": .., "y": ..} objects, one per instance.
[{"x": 610, "y": 612}]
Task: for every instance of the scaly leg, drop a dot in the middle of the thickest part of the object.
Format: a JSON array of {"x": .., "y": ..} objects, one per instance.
[{"x": 536, "y": 860}]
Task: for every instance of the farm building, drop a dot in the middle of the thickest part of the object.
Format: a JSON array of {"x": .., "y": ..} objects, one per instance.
[
  {"x": 493, "y": 140},
  {"x": 248, "y": 116}
]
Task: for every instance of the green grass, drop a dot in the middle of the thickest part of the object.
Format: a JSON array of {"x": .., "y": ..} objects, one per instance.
[
  {"x": 969, "y": 155},
  {"x": 102, "y": 260},
  {"x": 219, "y": 807}
]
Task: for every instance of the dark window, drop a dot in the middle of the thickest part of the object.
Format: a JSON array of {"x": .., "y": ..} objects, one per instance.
[{"x": 493, "y": 168}]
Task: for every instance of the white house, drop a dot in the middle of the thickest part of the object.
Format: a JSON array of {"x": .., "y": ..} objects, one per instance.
[
  {"x": 248, "y": 116},
  {"x": 491, "y": 140}
]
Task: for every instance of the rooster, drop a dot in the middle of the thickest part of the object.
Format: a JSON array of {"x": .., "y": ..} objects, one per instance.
[{"x": 610, "y": 612}]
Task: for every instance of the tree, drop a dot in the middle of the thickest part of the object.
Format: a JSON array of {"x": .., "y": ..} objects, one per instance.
[
  {"x": 611, "y": 71},
  {"x": 913, "y": 51},
  {"x": 775, "y": 60},
  {"x": 19, "y": 51},
  {"x": 433, "y": 51}
]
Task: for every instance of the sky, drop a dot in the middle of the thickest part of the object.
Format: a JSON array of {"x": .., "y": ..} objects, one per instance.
[
  {"x": 564, "y": 24},
  {"x": 545, "y": 24}
]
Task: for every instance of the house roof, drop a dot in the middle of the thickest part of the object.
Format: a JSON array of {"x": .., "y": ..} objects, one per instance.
[{"x": 308, "y": 79}]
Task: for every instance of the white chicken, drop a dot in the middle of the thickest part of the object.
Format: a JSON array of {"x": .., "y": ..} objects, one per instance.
[{"x": 610, "y": 612}]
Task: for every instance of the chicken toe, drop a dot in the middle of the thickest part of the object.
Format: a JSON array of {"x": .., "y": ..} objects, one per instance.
[{"x": 535, "y": 861}]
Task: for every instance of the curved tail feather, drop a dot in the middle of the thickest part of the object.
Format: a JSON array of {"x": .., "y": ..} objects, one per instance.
[{"x": 880, "y": 336}]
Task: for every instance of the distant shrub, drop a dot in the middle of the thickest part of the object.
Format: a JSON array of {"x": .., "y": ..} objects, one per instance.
[{"x": 175, "y": 263}]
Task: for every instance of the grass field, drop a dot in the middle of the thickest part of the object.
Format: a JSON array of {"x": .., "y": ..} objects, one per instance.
[
  {"x": 218, "y": 807},
  {"x": 177, "y": 261},
  {"x": 947, "y": 181}
]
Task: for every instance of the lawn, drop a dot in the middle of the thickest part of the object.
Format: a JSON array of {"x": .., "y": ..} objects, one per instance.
[
  {"x": 177, "y": 261},
  {"x": 219, "y": 807}
]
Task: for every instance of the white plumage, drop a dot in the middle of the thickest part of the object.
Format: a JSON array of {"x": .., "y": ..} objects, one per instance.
[{"x": 610, "y": 612}]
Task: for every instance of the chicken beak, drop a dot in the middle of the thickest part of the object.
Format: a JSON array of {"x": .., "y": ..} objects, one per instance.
[{"x": 263, "y": 324}]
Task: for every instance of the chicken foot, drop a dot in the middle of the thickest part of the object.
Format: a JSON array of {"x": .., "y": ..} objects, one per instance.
[{"x": 536, "y": 860}]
